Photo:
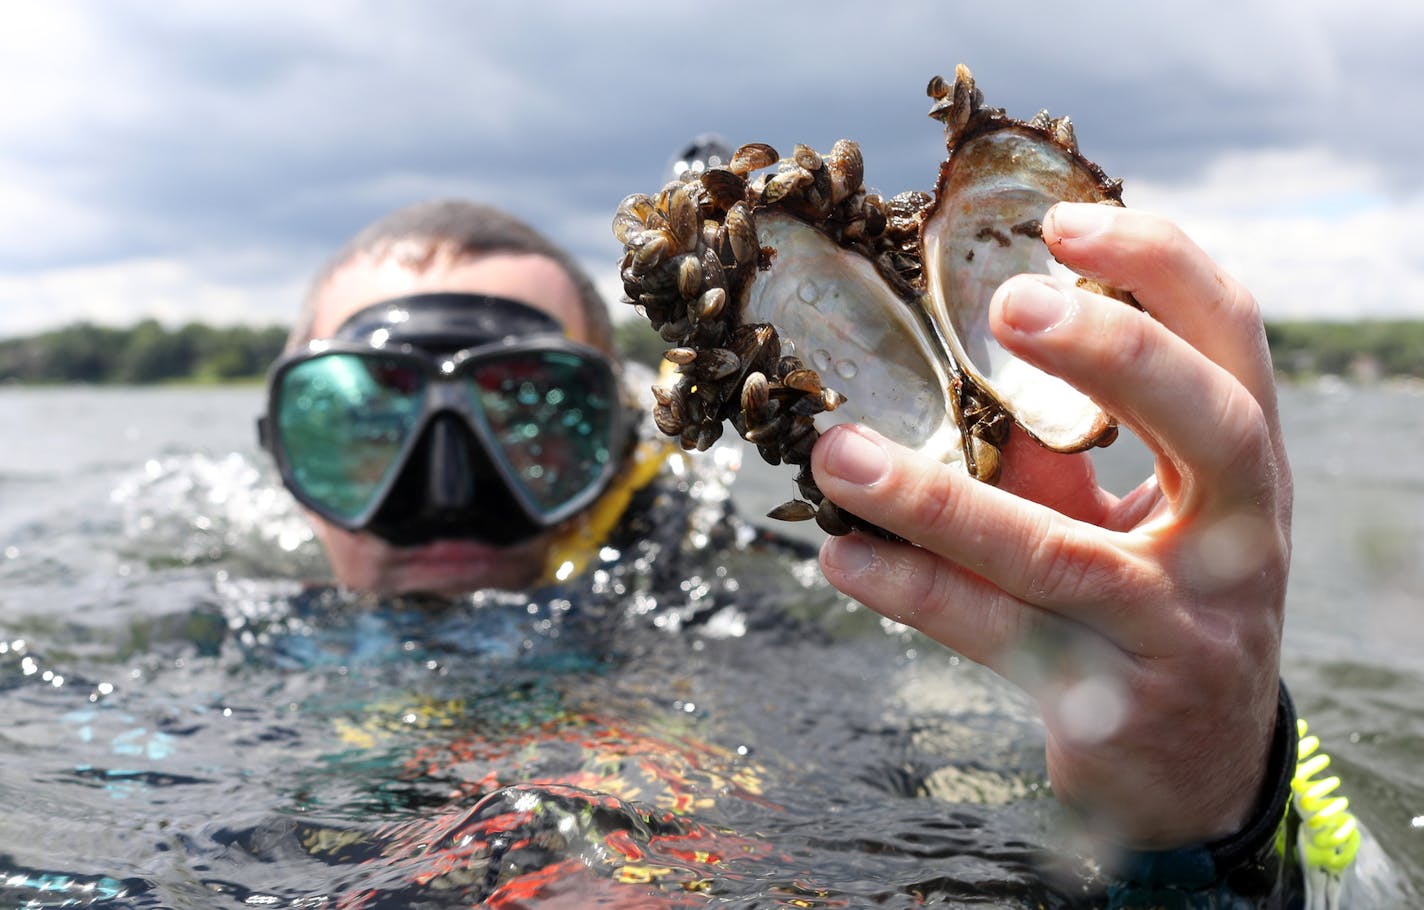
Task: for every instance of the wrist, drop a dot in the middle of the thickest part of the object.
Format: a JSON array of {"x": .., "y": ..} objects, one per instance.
[{"x": 1248, "y": 861}]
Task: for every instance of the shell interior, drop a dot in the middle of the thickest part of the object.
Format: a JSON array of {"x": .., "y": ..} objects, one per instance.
[
  {"x": 984, "y": 227},
  {"x": 888, "y": 366}
]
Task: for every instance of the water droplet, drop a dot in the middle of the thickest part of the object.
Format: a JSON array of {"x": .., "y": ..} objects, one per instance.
[
  {"x": 846, "y": 369},
  {"x": 1092, "y": 709},
  {"x": 821, "y": 358},
  {"x": 809, "y": 291},
  {"x": 1235, "y": 546}
]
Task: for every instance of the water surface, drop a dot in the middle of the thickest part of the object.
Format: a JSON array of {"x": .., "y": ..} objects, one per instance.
[{"x": 189, "y": 724}]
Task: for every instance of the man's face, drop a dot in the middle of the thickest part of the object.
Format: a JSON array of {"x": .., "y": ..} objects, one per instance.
[{"x": 361, "y": 560}]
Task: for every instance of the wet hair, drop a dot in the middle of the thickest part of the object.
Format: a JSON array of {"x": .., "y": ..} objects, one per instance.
[{"x": 419, "y": 234}]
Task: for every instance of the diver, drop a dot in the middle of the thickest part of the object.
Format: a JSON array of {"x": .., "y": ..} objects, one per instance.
[{"x": 451, "y": 414}]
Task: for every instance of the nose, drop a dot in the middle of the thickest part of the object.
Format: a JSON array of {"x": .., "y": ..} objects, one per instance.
[{"x": 451, "y": 480}]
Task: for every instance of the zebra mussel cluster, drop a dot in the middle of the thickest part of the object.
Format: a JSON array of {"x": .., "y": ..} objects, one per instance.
[{"x": 795, "y": 299}]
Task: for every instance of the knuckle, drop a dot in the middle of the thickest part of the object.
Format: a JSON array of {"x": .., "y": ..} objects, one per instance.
[
  {"x": 927, "y": 500},
  {"x": 1234, "y": 306},
  {"x": 926, "y": 592},
  {"x": 1064, "y": 566},
  {"x": 1052, "y": 564},
  {"x": 1158, "y": 237},
  {"x": 1147, "y": 245},
  {"x": 1242, "y": 303},
  {"x": 1134, "y": 343},
  {"x": 1245, "y": 433}
]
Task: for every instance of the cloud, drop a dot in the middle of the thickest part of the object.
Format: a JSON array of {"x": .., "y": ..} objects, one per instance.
[
  {"x": 1311, "y": 234},
  {"x": 234, "y": 290},
  {"x": 142, "y": 133}
]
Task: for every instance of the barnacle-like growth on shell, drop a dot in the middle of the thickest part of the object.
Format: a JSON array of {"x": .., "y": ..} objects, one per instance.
[{"x": 796, "y": 299}]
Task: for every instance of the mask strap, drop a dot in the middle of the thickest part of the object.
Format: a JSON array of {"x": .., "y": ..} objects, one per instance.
[{"x": 446, "y": 320}]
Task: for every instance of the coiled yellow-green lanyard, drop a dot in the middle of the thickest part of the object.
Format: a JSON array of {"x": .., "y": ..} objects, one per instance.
[{"x": 1329, "y": 836}]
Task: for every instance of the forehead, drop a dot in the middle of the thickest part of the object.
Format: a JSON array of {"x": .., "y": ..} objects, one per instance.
[{"x": 528, "y": 278}]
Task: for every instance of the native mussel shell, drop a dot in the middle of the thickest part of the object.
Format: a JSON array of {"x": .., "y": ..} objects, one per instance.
[{"x": 797, "y": 299}]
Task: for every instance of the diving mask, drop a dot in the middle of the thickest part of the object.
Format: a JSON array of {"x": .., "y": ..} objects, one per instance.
[{"x": 446, "y": 416}]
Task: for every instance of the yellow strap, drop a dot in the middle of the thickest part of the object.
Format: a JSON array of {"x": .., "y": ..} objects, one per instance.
[{"x": 580, "y": 538}]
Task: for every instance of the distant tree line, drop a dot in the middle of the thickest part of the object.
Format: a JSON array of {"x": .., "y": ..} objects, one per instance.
[
  {"x": 148, "y": 352},
  {"x": 145, "y": 353},
  {"x": 1362, "y": 350},
  {"x": 1367, "y": 349}
]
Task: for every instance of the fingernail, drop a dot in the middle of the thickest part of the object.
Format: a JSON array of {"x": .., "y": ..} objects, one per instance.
[
  {"x": 856, "y": 458},
  {"x": 852, "y": 554},
  {"x": 1079, "y": 219},
  {"x": 1031, "y": 305}
]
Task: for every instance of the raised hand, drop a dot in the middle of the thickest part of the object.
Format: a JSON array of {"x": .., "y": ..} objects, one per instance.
[{"x": 1148, "y": 627}]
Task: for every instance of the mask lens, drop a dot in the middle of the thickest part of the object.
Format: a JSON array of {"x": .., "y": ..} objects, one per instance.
[
  {"x": 343, "y": 421},
  {"x": 552, "y": 416}
]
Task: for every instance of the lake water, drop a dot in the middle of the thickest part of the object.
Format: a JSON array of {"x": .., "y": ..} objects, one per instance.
[{"x": 185, "y": 725}]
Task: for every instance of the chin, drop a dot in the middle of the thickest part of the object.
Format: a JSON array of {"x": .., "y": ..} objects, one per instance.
[{"x": 363, "y": 562}]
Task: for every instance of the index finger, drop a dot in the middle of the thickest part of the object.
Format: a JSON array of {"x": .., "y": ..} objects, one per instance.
[
  {"x": 1219, "y": 437},
  {"x": 1173, "y": 279},
  {"x": 1029, "y": 551}
]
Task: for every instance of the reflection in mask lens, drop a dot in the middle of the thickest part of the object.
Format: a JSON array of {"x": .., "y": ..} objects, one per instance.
[
  {"x": 343, "y": 420},
  {"x": 551, "y": 414}
]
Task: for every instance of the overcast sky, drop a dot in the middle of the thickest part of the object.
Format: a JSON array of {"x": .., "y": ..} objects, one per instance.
[{"x": 199, "y": 160}]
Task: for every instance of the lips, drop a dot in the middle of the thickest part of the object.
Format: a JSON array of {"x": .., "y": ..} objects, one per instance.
[
  {"x": 448, "y": 552},
  {"x": 461, "y": 566}
]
